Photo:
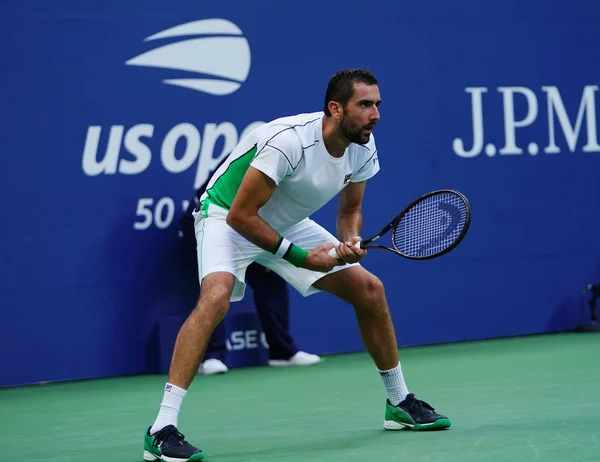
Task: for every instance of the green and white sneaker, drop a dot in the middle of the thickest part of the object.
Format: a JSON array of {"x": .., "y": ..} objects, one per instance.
[
  {"x": 168, "y": 445},
  {"x": 413, "y": 414}
]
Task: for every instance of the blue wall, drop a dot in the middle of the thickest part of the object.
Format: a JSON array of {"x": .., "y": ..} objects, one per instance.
[{"x": 497, "y": 99}]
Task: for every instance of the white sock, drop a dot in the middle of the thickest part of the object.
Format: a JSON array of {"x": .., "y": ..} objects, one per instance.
[
  {"x": 169, "y": 408},
  {"x": 393, "y": 380}
]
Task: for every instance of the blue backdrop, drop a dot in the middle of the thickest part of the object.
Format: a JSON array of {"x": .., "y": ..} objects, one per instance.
[{"x": 112, "y": 112}]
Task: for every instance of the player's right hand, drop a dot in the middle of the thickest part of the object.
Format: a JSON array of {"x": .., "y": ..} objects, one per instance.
[{"x": 318, "y": 259}]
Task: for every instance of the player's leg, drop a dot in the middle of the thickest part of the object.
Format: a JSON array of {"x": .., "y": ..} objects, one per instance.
[
  {"x": 216, "y": 352},
  {"x": 163, "y": 441},
  {"x": 196, "y": 331},
  {"x": 366, "y": 294},
  {"x": 223, "y": 256}
]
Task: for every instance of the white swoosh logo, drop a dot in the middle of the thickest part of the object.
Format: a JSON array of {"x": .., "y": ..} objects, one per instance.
[{"x": 222, "y": 57}]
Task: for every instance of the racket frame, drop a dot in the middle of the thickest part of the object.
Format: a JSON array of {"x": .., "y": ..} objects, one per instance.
[{"x": 392, "y": 225}]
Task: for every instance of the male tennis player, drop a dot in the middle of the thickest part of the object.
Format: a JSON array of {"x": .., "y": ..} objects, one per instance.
[{"x": 256, "y": 208}]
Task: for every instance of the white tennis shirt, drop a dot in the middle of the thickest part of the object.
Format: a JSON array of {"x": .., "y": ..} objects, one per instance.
[{"x": 291, "y": 152}]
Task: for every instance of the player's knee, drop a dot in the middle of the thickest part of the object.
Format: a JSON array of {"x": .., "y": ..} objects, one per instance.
[
  {"x": 371, "y": 291},
  {"x": 215, "y": 300}
]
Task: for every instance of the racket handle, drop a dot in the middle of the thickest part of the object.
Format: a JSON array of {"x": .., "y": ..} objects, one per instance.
[{"x": 334, "y": 254}]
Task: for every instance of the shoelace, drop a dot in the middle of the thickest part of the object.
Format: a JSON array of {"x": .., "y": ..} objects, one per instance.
[
  {"x": 422, "y": 404},
  {"x": 170, "y": 435}
]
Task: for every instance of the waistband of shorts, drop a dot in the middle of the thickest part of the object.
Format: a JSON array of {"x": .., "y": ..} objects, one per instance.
[{"x": 207, "y": 206}]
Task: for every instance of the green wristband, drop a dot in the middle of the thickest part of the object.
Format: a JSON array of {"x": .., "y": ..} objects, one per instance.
[{"x": 296, "y": 255}]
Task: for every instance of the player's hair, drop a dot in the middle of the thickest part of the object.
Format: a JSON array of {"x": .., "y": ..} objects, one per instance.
[{"x": 341, "y": 85}]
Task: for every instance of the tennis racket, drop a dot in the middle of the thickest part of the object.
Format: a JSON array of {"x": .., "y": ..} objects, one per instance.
[{"x": 429, "y": 227}]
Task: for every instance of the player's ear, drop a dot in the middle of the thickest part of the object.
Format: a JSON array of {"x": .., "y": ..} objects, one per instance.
[{"x": 336, "y": 109}]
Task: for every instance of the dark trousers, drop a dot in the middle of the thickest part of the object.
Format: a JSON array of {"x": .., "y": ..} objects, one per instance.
[{"x": 271, "y": 298}]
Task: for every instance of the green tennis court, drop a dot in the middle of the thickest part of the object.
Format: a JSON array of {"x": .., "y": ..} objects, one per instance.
[{"x": 521, "y": 399}]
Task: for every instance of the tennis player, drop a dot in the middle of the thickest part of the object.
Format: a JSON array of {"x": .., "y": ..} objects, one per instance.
[{"x": 256, "y": 209}]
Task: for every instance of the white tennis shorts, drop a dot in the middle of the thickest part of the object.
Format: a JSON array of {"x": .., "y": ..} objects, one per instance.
[{"x": 220, "y": 248}]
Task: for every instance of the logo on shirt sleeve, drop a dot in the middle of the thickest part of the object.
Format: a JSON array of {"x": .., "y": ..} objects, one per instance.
[{"x": 347, "y": 178}]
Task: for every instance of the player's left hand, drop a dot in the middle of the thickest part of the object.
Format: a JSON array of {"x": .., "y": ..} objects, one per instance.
[{"x": 349, "y": 250}]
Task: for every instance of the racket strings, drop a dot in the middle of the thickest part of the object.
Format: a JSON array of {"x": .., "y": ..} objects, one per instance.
[{"x": 431, "y": 225}]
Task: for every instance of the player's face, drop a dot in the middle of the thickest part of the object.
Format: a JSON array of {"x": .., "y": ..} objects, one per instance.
[{"x": 361, "y": 113}]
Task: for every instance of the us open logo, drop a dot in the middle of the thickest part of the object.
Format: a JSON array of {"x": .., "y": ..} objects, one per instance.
[{"x": 220, "y": 58}]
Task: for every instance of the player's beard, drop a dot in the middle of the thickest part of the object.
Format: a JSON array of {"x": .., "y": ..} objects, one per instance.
[{"x": 353, "y": 132}]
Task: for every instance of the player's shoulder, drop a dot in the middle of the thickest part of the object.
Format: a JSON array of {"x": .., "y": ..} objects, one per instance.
[{"x": 290, "y": 132}]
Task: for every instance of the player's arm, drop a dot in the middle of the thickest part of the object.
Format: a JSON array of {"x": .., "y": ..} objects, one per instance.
[
  {"x": 254, "y": 192},
  {"x": 349, "y": 217},
  {"x": 349, "y": 221}
]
